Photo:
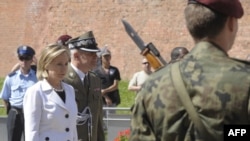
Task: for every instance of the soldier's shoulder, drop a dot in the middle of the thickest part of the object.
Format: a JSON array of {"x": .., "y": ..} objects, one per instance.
[
  {"x": 241, "y": 61},
  {"x": 160, "y": 72},
  {"x": 157, "y": 77},
  {"x": 93, "y": 74},
  {"x": 162, "y": 68}
]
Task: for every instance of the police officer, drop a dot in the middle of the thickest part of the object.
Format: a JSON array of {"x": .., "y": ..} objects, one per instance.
[
  {"x": 87, "y": 86},
  {"x": 14, "y": 89},
  {"x": 216, "y": 85}
]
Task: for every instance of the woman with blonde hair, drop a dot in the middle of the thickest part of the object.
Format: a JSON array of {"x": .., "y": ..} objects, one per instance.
[{"x": 50, "y": 110}]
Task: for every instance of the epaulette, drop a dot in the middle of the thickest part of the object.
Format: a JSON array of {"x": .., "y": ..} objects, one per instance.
[
  {"x": 12, "y": 74},
  {"x": 92, "y": 73},
  {"x": 242, "y": 61}
]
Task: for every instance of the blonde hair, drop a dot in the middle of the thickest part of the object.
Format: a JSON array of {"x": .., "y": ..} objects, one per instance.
[{"x": 48, "y": 54}]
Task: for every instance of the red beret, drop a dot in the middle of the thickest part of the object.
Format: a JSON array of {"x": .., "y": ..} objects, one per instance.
[
  {"x": 231, "y": 8},
  {"x": 63, "y": 39}
]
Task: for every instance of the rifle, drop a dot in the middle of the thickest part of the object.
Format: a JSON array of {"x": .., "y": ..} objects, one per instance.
[{"x": 149, "y": 51}]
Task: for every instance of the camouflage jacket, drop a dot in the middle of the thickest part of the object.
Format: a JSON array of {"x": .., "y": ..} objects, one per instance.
[{"x": 217, "y": 85}]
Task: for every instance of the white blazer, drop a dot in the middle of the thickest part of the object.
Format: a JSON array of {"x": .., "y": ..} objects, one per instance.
[{"x": 47, "y": 117}]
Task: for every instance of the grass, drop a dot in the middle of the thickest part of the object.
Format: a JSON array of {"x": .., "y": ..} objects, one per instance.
[
  {"x": 2, "y": 110},
  {"x": 127, "y": 97}
]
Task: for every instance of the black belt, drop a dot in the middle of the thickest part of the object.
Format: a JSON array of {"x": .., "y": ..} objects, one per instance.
[{"x": 19, "y": 110}]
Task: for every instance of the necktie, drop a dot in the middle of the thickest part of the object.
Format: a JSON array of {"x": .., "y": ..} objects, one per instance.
[{"x": 85, "y": 82}]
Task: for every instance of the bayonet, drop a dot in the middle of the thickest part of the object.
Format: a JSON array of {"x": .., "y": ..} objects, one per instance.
[{"x": 148, "y": 50}]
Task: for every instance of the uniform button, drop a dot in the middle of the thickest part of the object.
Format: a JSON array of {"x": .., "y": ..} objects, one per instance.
[
  {"x": 67, "y": 129},
  {"x": 47, "y": 139},
  {"x": 67, "y": 116}
]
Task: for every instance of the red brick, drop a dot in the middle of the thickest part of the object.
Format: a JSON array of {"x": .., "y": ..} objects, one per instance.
[{"x": 38, "y": 23}]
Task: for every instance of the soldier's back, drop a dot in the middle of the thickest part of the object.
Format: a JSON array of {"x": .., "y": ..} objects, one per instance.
[{"x": 218, "y": 88}]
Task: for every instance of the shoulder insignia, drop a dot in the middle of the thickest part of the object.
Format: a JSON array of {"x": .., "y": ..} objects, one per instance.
[
  {"x": 92, "y": 73},
  {"x": 71, "y": 74},
  {"x": 11, "y": 74}
]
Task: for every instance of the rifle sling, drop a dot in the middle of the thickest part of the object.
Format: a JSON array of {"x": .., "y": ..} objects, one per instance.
[{"x": 186, "y": 101}]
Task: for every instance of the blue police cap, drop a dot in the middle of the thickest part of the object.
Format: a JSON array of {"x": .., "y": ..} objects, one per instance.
[{"x": 25, "y": 50}]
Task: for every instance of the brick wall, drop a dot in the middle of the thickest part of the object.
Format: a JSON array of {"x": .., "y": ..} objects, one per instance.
[{"x": 38, "y": 23}]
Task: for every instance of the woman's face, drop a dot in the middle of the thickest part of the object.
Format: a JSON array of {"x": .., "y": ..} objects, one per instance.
[{"x": 58, "y": 68}]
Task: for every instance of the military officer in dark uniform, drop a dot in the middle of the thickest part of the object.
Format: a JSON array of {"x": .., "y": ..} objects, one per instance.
[
  {"x": 215, "y": 85},
  {"x": 87, "y": 87},
  {"x": 14, "y": 88}
]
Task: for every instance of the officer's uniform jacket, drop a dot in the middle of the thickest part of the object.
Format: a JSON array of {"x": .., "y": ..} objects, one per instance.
[
  {"x": 47, "y": 117},
  {"x": 219, "y": 90},
  {"x": 88, "y": 94}
]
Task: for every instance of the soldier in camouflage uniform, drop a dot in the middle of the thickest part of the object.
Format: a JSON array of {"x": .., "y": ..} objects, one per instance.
[{"x": 218, "y": 85}]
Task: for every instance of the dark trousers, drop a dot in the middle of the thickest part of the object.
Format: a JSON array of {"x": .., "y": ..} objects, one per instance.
[{"x": 15, "y": 124}]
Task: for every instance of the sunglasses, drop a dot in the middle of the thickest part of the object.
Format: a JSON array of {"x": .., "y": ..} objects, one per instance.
[
  {"x": 145, "y": 63},
  {"x": 25, "y": 58}
]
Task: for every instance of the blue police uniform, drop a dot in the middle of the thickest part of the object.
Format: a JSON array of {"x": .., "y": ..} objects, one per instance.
[
  {"x": 15, "y": 86},
  {"x": 13, "y": 91}
]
